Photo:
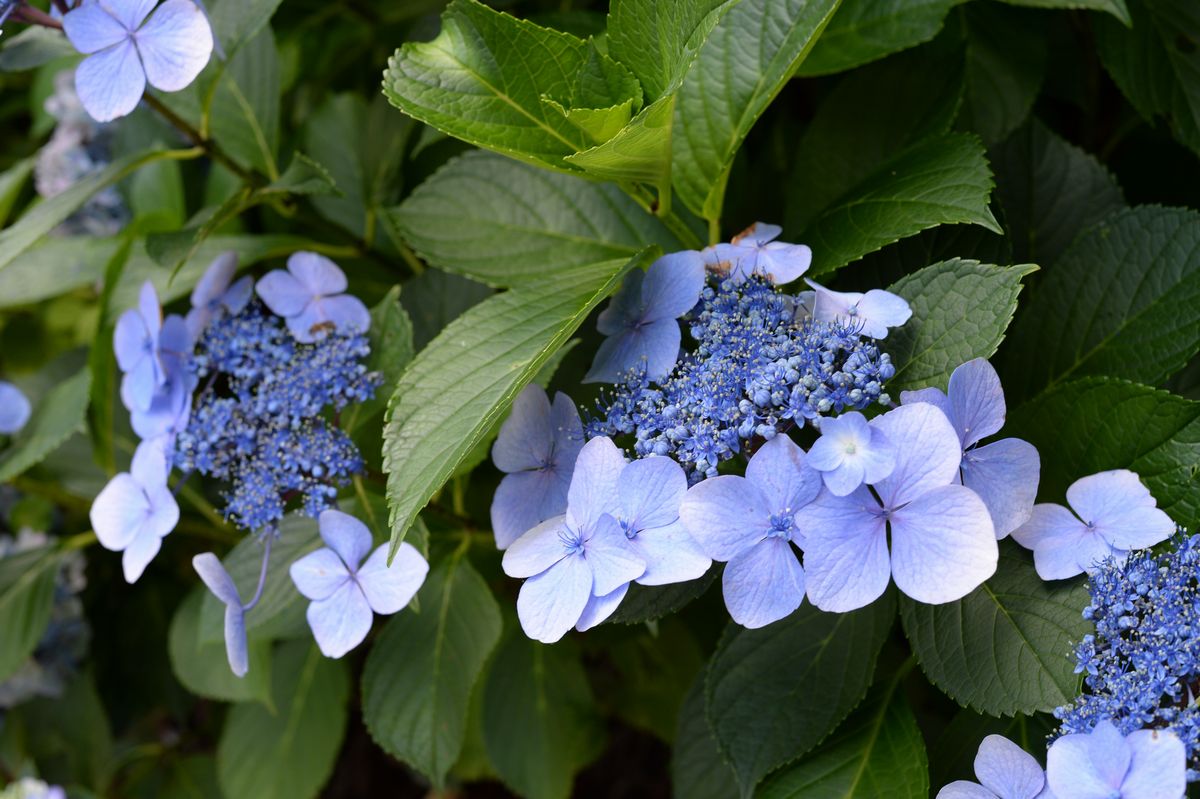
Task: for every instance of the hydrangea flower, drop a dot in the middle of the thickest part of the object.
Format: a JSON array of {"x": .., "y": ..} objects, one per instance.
[
  {"x": 345, "y": 596},
  {"x": 536, "y": 448},
  {"x": 136, "y": 346},
  {"x": 309, "y": 296},
  {"x": 579, "y": 565},
  {"x": 751, "y": 523},
  {"x": 214, "y": 295},
  {"x": 649, "y": 496},
  {"x": 128, "y": 46},
  {"x": 1146, "y": 764},
  {"x": 943, "y": 545},
  {"x": 754, "y": 251},
  {"x": 169, "y": 412},
  {"x": 871, "y": 313},
  {"x": 136, "y": 510},
  {"x": 213, "y": 573},
  {"x": 640, "y": 323},
  {"x": 1004, "y": 771},
  {"x": 850, "y": 452},
  {"x": 1113, "y": 513},
  {"x": 1004, "y": 473},
  {"x": 14, "y": 409}
]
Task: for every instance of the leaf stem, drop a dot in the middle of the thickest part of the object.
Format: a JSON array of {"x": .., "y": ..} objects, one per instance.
[
  {"x": 35, "y": 16},
  {"x": 200, "y": 140},
  {"x": 668, "y": 217}
]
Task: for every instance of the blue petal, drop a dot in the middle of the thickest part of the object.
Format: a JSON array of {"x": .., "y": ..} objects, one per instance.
[
  {"x": 523, "y": 500},
  {"x": 175, "y": 45},
  {"x": 1005, "y": 476},
  {"x": 977, "y": 401},
  {"x": 878, "y": 310},
  {"x": 651, "y": 491},
  {"x": 389, "y": 589},
  {"x": 927, "y": 452},
  {"x": 782, "y": 263},
  {"x": 961, "y": 789},
  {"x": 118, "y": 511},
  {"x": 671, "y": 555},
  {"x": 90, "y": 28},
  {"x": 340, "y": 622},
  {"x": 593, "y": 490},
  {"x": 283, "y": 293},
  {"x": 568, "y": 434},
  {"x": 672, "y": 286},
  {"x": 779, "y": 471},
  {"x": 1007, "y": 769},
  {"x": 137, "y": 556},
  {"x": 653, "y": 346},
  {"x": 319, "y": 275},
  {"x": 131, "y": 340},
  {"x": 14, "y": 408},
  {"x": 111, "y": 82},
  {"x": 318, "y": 575},
  {"x": 845, "y": 550},
  {"x": 537, "y": 550},
  {"x": 131, "y": 13},
  {"x": 725, "y": 515},
  {"x": 612, "y": 559},
  {"x": 346, "y": 536},
  {"x": 1121, "y": 509},
  {"x": 1070, "y": 771},
  {"x": 552, "y": 603},
  {"x": 943, "y": 545},
  {"x": 526, "y": 438},
  {"x": 343, "y": 312},
  {"x": 235, "y": 640},
  {"x": 763, "y": 584},
  {"x": 626, "y": 308},
  {"x": 599, "y": 608},
  {"x": 216, "y": 280},
  {"x": 214, "y": 575},
  {"x": 1159, "y": 766}
]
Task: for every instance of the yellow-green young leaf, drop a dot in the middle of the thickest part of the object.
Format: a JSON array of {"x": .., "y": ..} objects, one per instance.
[
  {"x": 26, "y": 601},
  {"x": 203, "y": 667},
  {"x": 864, "y": 30},
  {"x": 638, "y": 153},
  {"x": 419, "y": 676},
  {"x": 943, "y": 180},
  {"x": 55, "y": 417},
  {"x": 603, "y": 97},
  {"x": 467, "y": 377},
  {"x": 745, "y": 61},
  {"x": 391, "y": 339},
  {"x": 290, "y": 752}
]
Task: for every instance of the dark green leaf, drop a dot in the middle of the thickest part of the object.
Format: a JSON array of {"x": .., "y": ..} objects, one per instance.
[
  {"x": 658, "y": 41},
  {"x": 69, "y": 735},
  {"x": 54, "y": 267},
  {"x": 245, "y": 108},
  {"x": 55, "y": 417},
  {"x": 236, "y": 21},
  {"x": 953, "y": 756},
  {"x": 864, "y": 30},
  {"x": 646, "y": 603},
  {"x": 12, "y": 183},
  {"x": 26, "y": 600},
  {"x": 698, "y": 771},
  {"x": 1115, "y": 7},
  {"x": 435, "y": 298},
  {"x": 32, "y": 48},
  {"x": 303, "y": 176},
  {"x": 391, "y": 337},
  {"x": 1006, "y": 61},
  {"x": 203, "y": 667}
]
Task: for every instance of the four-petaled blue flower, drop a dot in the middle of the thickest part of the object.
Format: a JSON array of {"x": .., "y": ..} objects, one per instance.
[
  {"x": 639, "y": 323},
  {"x": 871, "y": 313},
  {"x": 344, "y": 595},
  {"x": 751, "y": 522},
  {"x": 1004, "y": 473},
  {"x": 14, "y": 409},
  {"x": 136, "y": 345},
  {"x": 136, "y": 510},
  {"x": 943, "y": 544},
  {"x": 851, "y": 452},
  {"x": 578, "y": 565},
  {"x": 754, "y": 251},
  {"x": 214, "y": 295},
  {"x": 126, "y": 50},
  {"x": 213, "y": 573},
  {"x": 1146, "y": 764},
  {"x": 310, "y": 297},
  {"x": 1114, "y": 513},
  {"x": 536, "y": 447},
  {"x": 1004, "y": 771}
]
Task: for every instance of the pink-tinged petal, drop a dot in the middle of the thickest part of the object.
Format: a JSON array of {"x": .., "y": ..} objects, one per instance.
[
  {"x": 536, "y": 550},
  {"x": 653, "y": 347},
  {"x": 1158, "y": 768},
  {"x": 625, "y": 309},
  {"x": 1122, "y": 509},
  {"x": 1007, "y": 769},
  {"x": 650, "y": 491},
  {"x": 524, "y": 500},
  {"x": 318, "y": 575},
  {"x": 1070, "y": 772},
  {"x": 673, "y": 284},
  {"x": 599, "y": 608},
  {"x": 340, "y": 622},
  {"x": 346, "y": 536},
  {"x": 283, "y": 293},
  {"x": 137, "y": 556},
  {"x": 934, "y": 396},
  {"x": 213, "y": 573},
  {"x": 733, "y": 261},
  {"x": 845, "y": 550},
  {"x": 90, "y": 28},
  {"x": 319, "y": 275},
  {"x": 1005, "y": 475},
  {"x": 671, "y": 555},
  {"x": 526, "y": 438},
  {"x": 130, "y": 13},
  {"x": 347, "y": 313},
  {"x": 725, "y": 515},
  {"x": 390, "y": 588},
  {"x": 779, "y": 471},
  {"x": 977, "y": 401},
  {"x": 552, "y": 603},
  {"x": 763, "y": 584},
  {"x": 111, "y": 82},
  {"x": 783, "y": 263},
  {"x": 216, "y": 280},
  {"x": 175, "y": 44},
  {"x": 118, "y": 512},
  {"x": 961, "y": 789},
  {"x": 927, "y": 452},
  {"x": 15, "y": 409},
  {"x": 593, "y": 490},
  {"x": 612, "y": 559},
  {"x": 943, "y": 545},
  {"x": 878, "y": 310}
]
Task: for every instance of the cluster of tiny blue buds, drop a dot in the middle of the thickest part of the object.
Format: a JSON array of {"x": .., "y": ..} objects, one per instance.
[
  {"x": 756, "y": 369},
  {"x": 261, "y": 422},
  {"x": 1142, "y": 665}
]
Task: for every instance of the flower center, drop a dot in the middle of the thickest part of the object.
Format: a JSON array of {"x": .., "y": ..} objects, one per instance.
[
  {"x": 572, "y": 540},
  {"x": 782, "y": 525}
]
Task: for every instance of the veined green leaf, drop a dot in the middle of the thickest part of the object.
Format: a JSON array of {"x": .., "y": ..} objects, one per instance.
[
  {"x": 203, "y": 666},
  {"x": 658, "y": 41},
  {"x": 26, "y": 601},
  {"x": 864, "y": 30},
  {"x": 56, "y": 416},
  {"x": 1115, "y": 7}
]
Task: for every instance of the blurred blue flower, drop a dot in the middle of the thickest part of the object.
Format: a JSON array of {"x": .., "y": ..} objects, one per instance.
[
  {"x": 851, "y": 452},
  {"x": 344, "y": 595},
  {"x": 1113, "y": 513},
  {"x": 751, "y": 523},
  {"x": 1146, "y": 764},
  {"x": 214, "y": 295},
  {"x": 14, "y": 409},
  {"x": 754, "y": 251},
  {"x": 30, "y": 788},
  {"x": 943, "y": 545},
  {"x": 136, "y": 346},
  {"x": 536, "y": 448},
  {"x": 1004, "y": 473},
  {"x": 136, "y": 510},
  {"x": 640, "y": 323},
  {"x": 127, "y": 47},
  {"x": 309, "y": 296},
  {"x": 1004, "y": 771},
  {"x": 871, "y": 314}
]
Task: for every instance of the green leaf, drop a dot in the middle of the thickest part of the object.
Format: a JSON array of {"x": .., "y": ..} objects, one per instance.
[
  {"x": 652, "y": 674},
  {"x": 1115, "y": 7},
  {"x": 156, "y": 197},
  {"x": 796, "y": 678},
  {"x": 1006, "y": 62},
  {"x": 878, "y": 751},
  {"x": 1005, "y": 647},
  {"x": 1096, "y": 424},
  {"x": 508, "y": 224},
  {"x": 203, "y": 667},
  {"x": 237, "y": 21},
  {"x": 953, "y": 756},
  {"x": 303, "y": 176},
  {"x": 55, "y": 417},
  {"x": 1156, "y": 63},
  {"x": 638, "y": 153},
  {"x": 466, "y": 379},
  {"x": 658, "y": 41},
  {"x": 434, "y": 299},
  {"x": 603, "y": 97},
  {"x": 539, "y": 722},
  {"x": 864, "y": 30},
  {"x": 288, "y": 753},
  {"x": 55, "y": 266},
  {"x": 12, "y": 183},
  {"x": 391, "y": 338},
  {"x": 26, "y": 601},
  {"x": 245, "y": 108},
  {"x": 1122, "y": 301},
  {"x": 646, "y": 603},
  {"x": 34, "y": 47},
  {"x": 69, "y": 735},
  {"x": 960, "y": 311},
  {"x": 942, "y": 180},
  {"x": 48, "y": 214},
  {"x": 698, "y": 771},
  {"x": 418, "y": 679},
  {"x": 745, "y": 61},
  {"x": 1050, "y": 190}
]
